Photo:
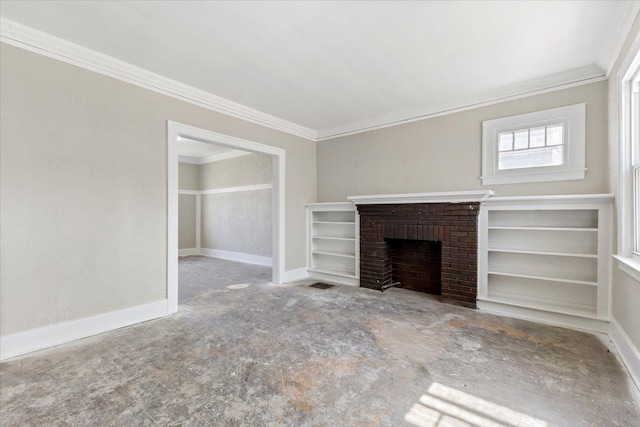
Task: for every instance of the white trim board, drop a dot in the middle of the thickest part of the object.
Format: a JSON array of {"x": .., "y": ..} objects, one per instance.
[
  {"x": 628, "y": 352},
  {"x": 565, "y": 80},
  {"x": 543, "y": 316},
  {"x": 237, "y": 256},
  {"x": 27, "y": 38},
  {"x": 295, "y": 275},
  {"x": 440, "y": 197},
  {"x": 60, "y": 333},
  {"x": 188, "y": 252},
  {"x": 255, "y": 187},
  {"x": 211, "y": 158}
]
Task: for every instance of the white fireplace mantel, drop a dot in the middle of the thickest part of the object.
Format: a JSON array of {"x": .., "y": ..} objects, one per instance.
[{"x": 440, "y": 197}]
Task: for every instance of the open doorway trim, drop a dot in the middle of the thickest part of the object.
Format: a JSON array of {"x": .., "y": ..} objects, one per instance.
[{"x": 176, "y": 130}]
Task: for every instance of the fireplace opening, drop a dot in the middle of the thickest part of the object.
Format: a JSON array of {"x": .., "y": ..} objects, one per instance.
[
  {"x": 453, "y": 227},
  {"x": 416, "y": 264}
]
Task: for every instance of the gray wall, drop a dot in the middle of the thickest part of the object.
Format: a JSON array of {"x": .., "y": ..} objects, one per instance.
[
  {"x": 186, "y": 221},
  {"x": 188, "y": 179},
  {"x": 444, "y": 153},
  {"x": 188, "y": 176},
  {"x": 250, "y": 169},
  {"x": 83, "y": 190},
  {"x": 238, "y": 221},
  {"x": 626, "y": 290}
]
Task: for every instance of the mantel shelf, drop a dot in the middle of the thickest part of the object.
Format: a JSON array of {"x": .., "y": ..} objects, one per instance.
[{"x": 440, "y": 197}]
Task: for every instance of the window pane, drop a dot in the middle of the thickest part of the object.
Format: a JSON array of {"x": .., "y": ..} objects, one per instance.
[
  {"x": 505, "y": 142},
  {"x": 555, "y": 135},
  {"x": 537, "y": 137},
  {"x": 521, "y": 139},
  {"x": 535, "y": 157}
]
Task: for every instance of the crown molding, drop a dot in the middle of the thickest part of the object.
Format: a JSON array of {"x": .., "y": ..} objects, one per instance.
[
  {"x": 608, "y": 58},
  {"x": 212, "y": 157},
  {"x": 571, "y": 78},
  {"x": 189, "y": 160},
  {"x": 42, "y": 43},
  {"x": 27, "y": 38}
]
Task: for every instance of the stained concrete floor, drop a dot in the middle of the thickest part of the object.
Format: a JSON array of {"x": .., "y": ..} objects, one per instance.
[{"x": 244, "y": 352}]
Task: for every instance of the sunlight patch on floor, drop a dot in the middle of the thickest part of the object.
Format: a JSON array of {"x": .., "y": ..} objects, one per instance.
[{"x": 444, "y": 406}]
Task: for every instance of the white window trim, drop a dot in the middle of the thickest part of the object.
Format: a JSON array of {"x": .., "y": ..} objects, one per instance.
[
  {"x": 628, "y": 260},
  {"x": 573, "y": 119}
]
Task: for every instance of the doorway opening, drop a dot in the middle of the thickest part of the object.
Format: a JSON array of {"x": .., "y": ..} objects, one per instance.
[{"x": 232, "y": 146}]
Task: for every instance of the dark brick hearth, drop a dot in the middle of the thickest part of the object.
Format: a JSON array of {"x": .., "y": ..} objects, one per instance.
[{"x": 454, "y": 225}]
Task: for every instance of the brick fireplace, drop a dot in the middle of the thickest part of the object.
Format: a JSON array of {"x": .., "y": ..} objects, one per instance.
[{"x": 420, "y": 240}]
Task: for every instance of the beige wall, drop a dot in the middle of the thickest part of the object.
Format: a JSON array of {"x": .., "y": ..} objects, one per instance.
[
  {"x": 188, "y": 176},
  {"x": 238, "y": 221},
  {"x": 250, "y": 169},
  {"x": 83, "y": 190},
  {"x": 626, "y": 290},
  {"x": 186, "y": 221},
  {"x": 188, "y": 179},
  {"x": 444, "y": 153}
]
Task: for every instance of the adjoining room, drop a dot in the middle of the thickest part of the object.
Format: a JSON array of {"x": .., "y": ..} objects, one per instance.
[{"x": 225, "y": 207}]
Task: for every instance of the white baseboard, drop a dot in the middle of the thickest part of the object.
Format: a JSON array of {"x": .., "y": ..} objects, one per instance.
[
  {"x": 237, "y": 256},
  {"x": 350, "y": 281},
  {"x": 543, "y": 316},
  {"x": 626, "y": 349},
  {"x": 188, "y": 252},
  {"x": 60, "y": 333},
  {"x": 296, "y": 274}
]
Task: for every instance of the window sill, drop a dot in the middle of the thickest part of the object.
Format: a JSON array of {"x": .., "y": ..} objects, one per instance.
[
  {"x": 516, "y": 176},
  {"x": 629, "y": 265}
]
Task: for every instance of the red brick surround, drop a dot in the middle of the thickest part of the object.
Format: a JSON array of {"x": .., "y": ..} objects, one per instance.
[{"x": 455, "y": 225}]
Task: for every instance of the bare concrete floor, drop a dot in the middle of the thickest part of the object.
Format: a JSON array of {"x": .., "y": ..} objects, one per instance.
[{"x": 266, "y": 355}]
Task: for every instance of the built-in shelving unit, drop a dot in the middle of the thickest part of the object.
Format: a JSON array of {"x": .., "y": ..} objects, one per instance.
[
  {"x": 332, "y": 233},
  {"x": 547, "y": 258}
]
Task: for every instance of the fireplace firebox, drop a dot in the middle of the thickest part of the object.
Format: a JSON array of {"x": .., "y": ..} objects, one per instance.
[{"x": 429, "y": 247}]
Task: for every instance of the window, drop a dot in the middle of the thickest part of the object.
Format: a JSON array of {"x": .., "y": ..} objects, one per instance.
[
  {"x": 531, "y": 148},
  {"x": 542, "y": 146},
  {"x": 629, "y": 184},
  {"x": 635, "y": 158}
]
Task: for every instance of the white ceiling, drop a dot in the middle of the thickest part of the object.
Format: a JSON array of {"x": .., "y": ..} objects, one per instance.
[{"x": 340, "y": 67}]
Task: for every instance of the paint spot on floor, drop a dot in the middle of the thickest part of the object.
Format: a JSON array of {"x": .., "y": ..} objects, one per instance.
[{"x": 238, "y": 286}]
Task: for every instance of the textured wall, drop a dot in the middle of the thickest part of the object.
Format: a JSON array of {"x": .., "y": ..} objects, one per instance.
[
  {"x": 188, "y": 176},
  {"x": 186, "y": 221},
  {"x": 238, "y": 222},
  {"x": 188, "y": 179},
  {"x": 444, "y": 153},
  {"x": 250, "y": 169},
  {"x": 83, "y": 190}
]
